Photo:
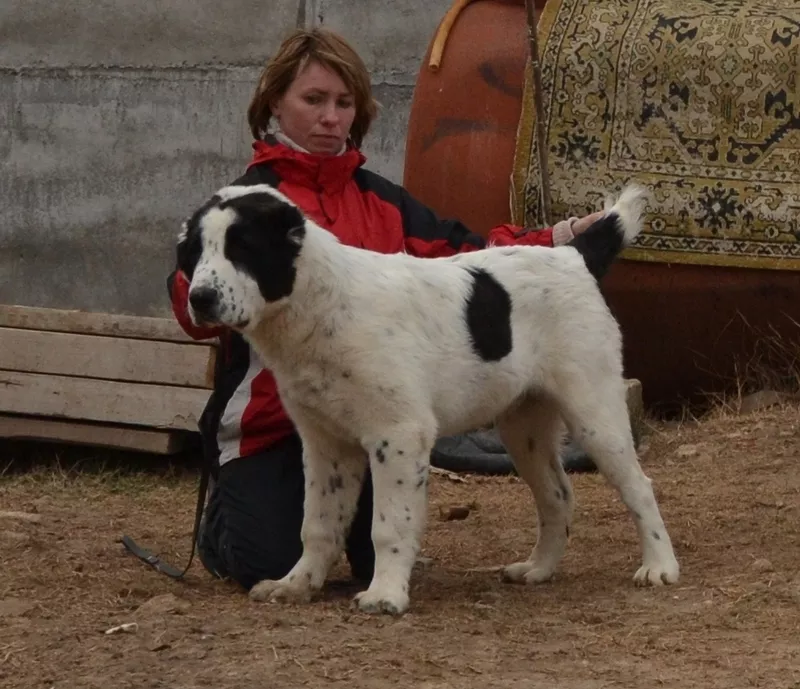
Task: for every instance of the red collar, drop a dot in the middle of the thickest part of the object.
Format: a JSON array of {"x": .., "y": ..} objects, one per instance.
[{"x": 324, "y": 173}]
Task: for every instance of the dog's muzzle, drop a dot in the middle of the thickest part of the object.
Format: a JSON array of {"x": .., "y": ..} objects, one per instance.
[{"x": 205, "y": 304}]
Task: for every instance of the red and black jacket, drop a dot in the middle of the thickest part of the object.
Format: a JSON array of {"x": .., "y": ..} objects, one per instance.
[{"x": 244, "y": 414}]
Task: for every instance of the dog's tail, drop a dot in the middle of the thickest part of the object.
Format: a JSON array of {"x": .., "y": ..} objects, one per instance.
[{"x": 604, "y": 239}]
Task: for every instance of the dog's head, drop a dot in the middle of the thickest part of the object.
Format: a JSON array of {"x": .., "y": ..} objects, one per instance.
[{"x": 239, "y": 250}]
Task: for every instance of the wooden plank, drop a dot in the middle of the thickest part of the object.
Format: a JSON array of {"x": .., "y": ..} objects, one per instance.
[
  {"x": 154, "y": 406},
  {"x": 109, "y": 358},
  {"x": 97, "y": 435},
  {"x": 92, "y": 323}
]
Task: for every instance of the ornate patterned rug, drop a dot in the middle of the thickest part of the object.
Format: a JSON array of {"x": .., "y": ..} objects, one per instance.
[{"x": 699, "y": 100}]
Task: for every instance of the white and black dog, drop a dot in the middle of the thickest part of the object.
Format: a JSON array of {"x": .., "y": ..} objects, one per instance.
[{"x": 376, "y": 356}]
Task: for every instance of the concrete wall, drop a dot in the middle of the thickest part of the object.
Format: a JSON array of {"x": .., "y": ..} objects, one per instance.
[{"x": 116, "y": 117}]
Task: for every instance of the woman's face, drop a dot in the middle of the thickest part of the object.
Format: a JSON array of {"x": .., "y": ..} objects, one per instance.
[{"x": 317, "y": 110}]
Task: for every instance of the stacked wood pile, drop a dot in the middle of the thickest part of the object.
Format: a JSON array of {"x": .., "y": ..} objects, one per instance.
[{"x": 126, "y": 382}]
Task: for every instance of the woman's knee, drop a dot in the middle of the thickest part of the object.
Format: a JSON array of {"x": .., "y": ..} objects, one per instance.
[
  {"x": 247, "y": 567},
  {"x": 260, "y": 506}
]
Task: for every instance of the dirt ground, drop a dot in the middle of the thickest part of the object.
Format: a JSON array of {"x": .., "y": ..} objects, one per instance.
[{"x": 729, "y": 489}]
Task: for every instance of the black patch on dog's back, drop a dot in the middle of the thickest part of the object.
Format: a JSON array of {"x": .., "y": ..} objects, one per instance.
[
  {"x": 488, "y": 316},
  {"x": 265, "y": 241}
]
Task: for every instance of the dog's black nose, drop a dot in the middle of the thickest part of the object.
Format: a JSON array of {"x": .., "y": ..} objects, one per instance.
[{"x": 203, "y": 300}]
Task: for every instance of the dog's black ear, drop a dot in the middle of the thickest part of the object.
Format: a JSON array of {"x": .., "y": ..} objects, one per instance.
[
  {"x": 265, "y": 240},
  {"x": 273, "y": 214}
]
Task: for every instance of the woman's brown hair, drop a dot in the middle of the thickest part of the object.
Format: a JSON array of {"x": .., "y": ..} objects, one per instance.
[{"x": 297, "y": 50}]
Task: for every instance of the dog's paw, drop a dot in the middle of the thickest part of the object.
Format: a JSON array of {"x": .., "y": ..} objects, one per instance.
[
  {"x": 280, "y": 591},
  {"x": 376, "y": 601},
  {"x": 528, "y": 573},
  {"x": 657, "y": 574}
]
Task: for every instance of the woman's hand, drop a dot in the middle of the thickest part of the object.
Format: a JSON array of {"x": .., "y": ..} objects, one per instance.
[
  {"x": 566, "y": 230},
  {"x": 582, "y": 224}
]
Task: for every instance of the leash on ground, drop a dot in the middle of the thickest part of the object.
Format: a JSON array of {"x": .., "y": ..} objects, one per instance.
[{"x": 154, "y": 560}]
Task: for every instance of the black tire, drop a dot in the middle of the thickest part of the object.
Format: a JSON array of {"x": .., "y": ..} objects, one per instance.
[{"x": 573, "y": 458}]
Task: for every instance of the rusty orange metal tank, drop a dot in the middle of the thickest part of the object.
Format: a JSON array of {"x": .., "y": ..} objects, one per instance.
[
  {"x": 464, "y": 116},
  {"x": 688, "y": 330}
]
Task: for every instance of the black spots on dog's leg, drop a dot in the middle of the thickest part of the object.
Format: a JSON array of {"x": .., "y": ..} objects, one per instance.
[
  {"x": 400, "y": 453},
  {"x": 422, "y": 475},
  {"x": 380, "y": 451},
  {"x": 562, "y": 493},
  {"x": 488, "y": 316},
  {"x": 335, "y": 482},
  {"x": 656, "y": 535},
  {"x": 347, "y": 374},
  {"x": 387, "y": 393},
  {"x": 567, "y": 530},
  {"x": 395, "y": 550},
  {"x": 308, "y": 576},
  {"x": 637, "y": 515},
  {"x": 400, "y": 482},
  {"x": 382, "y": 517}
]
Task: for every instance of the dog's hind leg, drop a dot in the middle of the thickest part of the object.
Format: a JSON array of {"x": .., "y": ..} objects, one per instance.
[
  {"x": 399, "y": 462},
  {"x": 597, "y": 415},
  {"x": 334, "y": 474},
  {"x": 531, "y": 433}
]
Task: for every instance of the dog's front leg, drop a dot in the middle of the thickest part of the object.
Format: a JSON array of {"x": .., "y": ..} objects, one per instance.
[
  {"x": 334, "y": 475},
  {"x": 399, "y": 464}
]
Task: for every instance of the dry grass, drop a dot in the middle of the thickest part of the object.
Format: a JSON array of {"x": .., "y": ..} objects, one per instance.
[
  {"x": 773, "y": 365},
  {"x": 729, "y": 488}
]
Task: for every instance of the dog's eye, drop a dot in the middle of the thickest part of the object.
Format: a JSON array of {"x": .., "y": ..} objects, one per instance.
[{"x": 238, "y": 245}]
